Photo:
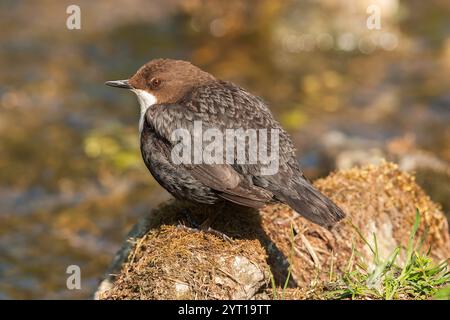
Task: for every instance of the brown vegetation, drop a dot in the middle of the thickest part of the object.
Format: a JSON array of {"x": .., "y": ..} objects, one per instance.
[{"x": 162, "y": 260}]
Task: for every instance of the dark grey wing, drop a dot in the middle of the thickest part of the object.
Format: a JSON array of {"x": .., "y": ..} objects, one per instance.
[{"x": 229, "y": 184}]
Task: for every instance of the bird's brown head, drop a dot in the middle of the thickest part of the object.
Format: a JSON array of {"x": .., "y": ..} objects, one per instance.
[{"x": 163, "y": 81}]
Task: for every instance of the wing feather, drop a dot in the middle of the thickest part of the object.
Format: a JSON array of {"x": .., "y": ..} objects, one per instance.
[{"x": 230, "y": 185}]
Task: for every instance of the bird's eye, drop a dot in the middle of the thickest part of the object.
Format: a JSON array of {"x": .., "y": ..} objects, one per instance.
[{"x": 155, "y": 83}]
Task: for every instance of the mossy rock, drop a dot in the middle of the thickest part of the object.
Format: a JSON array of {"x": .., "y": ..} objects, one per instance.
[{"x": 162, "y": 260}]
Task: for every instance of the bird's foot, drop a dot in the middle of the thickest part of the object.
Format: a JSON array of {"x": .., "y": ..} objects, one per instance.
[
  {"x": 204, "y": 227},
  {"x": 217, "y": 233},
  {"x": 187, "y": 215}
]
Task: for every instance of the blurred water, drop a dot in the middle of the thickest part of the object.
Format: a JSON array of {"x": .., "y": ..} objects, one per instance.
[{"x": 71, "y": 179}]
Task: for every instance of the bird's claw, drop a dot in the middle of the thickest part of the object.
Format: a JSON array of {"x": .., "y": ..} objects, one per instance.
[
  {"x": 200, "y": 227},
  {"x": 188, "y": 217}
]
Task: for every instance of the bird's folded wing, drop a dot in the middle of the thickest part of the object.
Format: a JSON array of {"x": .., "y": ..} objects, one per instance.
[{"x": 229, "y": 184}]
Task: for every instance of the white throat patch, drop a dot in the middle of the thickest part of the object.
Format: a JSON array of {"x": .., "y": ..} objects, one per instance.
[{"x": 146, "y": 100}]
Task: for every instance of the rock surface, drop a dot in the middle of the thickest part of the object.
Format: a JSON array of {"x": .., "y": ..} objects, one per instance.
[{"x": 162, "y": 260}]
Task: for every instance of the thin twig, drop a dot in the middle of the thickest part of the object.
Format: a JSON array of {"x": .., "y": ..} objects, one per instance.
[{"x": 311, "y": 251}]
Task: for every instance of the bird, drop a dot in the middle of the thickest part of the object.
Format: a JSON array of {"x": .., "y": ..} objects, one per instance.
[{"x": 174, "y": 94}]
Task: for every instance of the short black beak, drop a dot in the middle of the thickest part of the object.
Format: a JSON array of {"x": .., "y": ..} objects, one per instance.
[{"x": 119, "y": 84}]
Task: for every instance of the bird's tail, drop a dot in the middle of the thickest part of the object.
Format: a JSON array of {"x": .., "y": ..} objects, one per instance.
[{"x": 312, "y": 204}]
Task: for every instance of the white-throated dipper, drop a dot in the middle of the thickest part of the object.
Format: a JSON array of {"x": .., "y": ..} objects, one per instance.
[{"x": 174, "y": 94}]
